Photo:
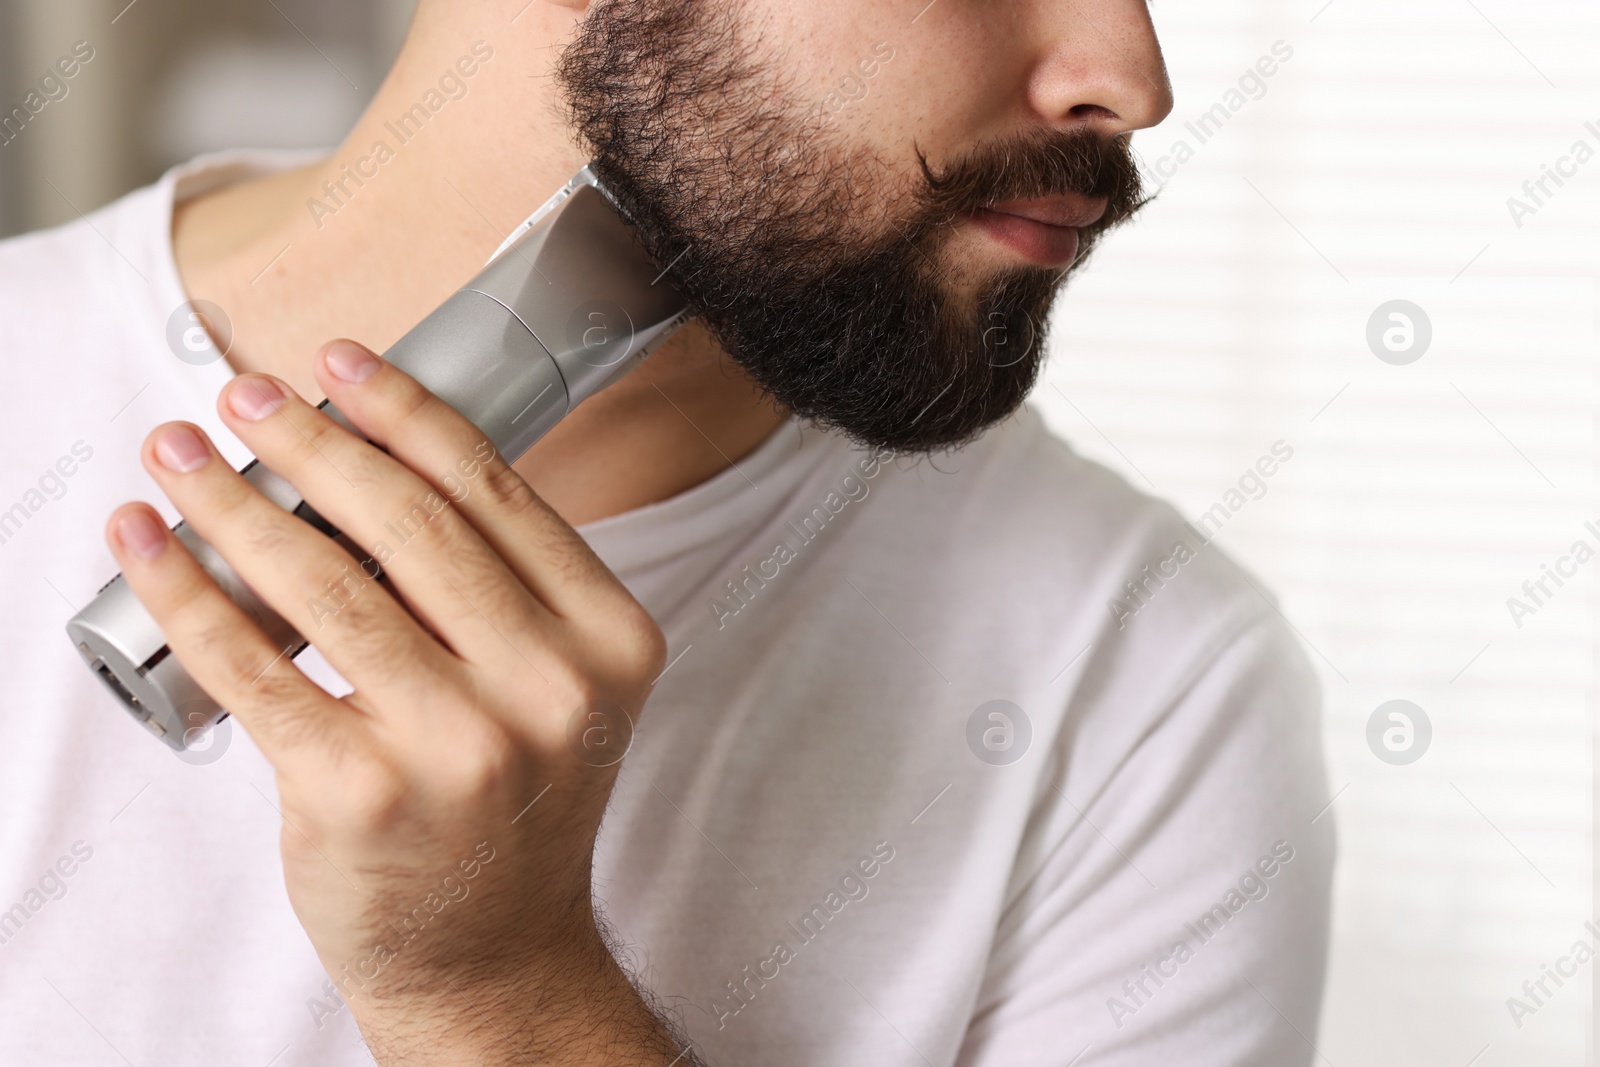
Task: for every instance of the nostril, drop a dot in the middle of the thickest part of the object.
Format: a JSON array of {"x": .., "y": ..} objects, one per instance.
[{"x": 1091, "y": 111}]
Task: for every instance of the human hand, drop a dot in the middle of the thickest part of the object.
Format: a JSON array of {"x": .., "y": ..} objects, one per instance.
[{"x": 439, "y": 821}]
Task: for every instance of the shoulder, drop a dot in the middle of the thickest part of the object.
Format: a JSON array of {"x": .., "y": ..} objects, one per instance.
[
  {"x": 84, "y": 310},
  {"x": 65, "y": 286},
  {"x": 43, "y": 270},
  {"x": 1137, "y": 639},
  {"x": 1181, "y": 749}
]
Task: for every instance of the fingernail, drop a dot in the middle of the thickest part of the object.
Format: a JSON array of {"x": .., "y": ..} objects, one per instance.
[
  {"x": 349, "y": 362},
  {"x": 180, "y": 449},
  {"x": 254, "y": 397},
  {"x": 141, "y": 535}
]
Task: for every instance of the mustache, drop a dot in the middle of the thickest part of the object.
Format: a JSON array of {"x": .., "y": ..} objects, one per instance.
[{"x": 1038, "y": 164}]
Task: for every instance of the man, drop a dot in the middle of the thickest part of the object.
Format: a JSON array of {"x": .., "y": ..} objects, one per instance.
[{"x": 903, "y": 788}]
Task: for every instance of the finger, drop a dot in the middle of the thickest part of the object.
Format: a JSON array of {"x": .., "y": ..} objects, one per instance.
[
  {"x": 302, "y": 574},
  {"x": 450, "y": 578},
  {"x": 547, "y": 555},
  {"x": 222, "y": 648}
]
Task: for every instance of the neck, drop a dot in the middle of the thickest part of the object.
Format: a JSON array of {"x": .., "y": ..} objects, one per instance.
[{"x": 426, "y": 186}]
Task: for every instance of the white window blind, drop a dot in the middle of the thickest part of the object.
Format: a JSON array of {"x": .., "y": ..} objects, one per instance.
[{"x": 1375, "y": 164}]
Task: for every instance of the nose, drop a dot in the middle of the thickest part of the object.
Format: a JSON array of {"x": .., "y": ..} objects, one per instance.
[{"x": 1100, "y": 66}]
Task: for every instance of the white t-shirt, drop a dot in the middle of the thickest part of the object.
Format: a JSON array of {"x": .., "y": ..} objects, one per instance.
[{"x": 829, "y": 845}]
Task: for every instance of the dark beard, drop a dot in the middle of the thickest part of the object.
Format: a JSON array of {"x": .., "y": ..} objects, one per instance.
[{"x": 814, "y": 275}]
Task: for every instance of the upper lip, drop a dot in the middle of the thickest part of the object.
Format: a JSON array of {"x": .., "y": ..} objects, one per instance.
[{"x": 1067, "y": 209}]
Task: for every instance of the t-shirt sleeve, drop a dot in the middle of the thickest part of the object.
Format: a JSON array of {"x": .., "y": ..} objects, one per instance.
[{"x": 1174, "y": 908}]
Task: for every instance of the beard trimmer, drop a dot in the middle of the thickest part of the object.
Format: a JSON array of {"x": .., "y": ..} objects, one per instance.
[{"x": 568, "y": 304}]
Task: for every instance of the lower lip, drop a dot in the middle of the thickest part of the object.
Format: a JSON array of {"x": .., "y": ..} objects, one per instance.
[{"x": 1037, "y": 242}]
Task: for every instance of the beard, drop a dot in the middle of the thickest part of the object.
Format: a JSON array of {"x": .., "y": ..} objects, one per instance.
[{"x": 816, "y": 267}]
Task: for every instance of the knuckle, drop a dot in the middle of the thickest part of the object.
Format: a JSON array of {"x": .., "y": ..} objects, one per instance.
[
  {"x": 415, "y": 518},
  {"x": 180, "y": 597},
  {"x": 269, "y": 687},
  {"x": 230, "y": 502},
  {"x": 404, "y": 402},
  {"x": 304, "y": 444},
  {"x": 485, "y": 590},
  {"x": 641, "y": 642},
  {"x": 364, "y": 468},
  {"x": 368, "y": 633},
  {"x": 212, "y": 634},
  {"x": 444, "y": 531},
  {"x": 330, "y": 581},
  {"x": 483, "y": 758},
  {"x": 275, "y": 706},
  {"x": 571, "y": 684},
  {"x": 216, "y": 641},
  {"x": 269, "y": 538},
  {"x": 372, "y": 794},
  {"x": 509, "y": 492},
  {"x": 323, "y": 441},
  {"x": 256, "y": 682},
  {"x": 568, "y": 559},
  {"x": 632, "y": 644},
  {"x": 209, "y": 632},
  {"x": 420, "y": 403}
]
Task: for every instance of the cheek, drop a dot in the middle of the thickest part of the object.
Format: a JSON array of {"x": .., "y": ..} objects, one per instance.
[
  {"x": 947, "y": 85},
  {"x": 955, "y": 69},
  {"x": 818, "y": 47}
]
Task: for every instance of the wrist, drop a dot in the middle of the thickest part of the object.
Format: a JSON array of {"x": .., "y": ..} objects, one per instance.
[{"x": 574, "y": 1006}]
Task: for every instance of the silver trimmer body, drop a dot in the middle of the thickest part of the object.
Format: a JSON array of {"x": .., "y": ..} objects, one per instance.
[{"x": 570, "y": 303}]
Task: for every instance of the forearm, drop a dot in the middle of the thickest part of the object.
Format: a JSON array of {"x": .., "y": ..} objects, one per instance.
[{"x": 583, "y": 1012}]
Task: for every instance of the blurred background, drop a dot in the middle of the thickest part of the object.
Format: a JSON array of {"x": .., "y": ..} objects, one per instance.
[
  {"x": 173, "y": 78},
  {"x": 1428, "y": 482},
  {"x": 1431, "y": 475}
]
